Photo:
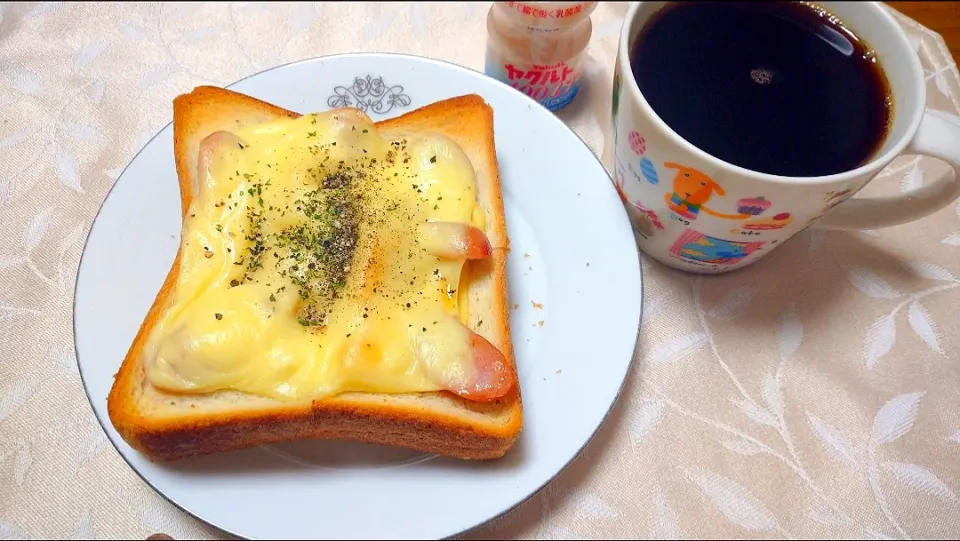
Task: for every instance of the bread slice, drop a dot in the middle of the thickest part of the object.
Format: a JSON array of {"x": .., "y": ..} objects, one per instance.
[{"x": 167, "y": 426}]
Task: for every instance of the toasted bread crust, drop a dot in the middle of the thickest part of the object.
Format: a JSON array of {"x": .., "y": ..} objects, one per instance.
[{"x": 440, "y": 423}]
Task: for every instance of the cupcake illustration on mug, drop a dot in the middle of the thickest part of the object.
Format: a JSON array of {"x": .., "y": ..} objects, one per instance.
[{"x": 753, "y": 206}]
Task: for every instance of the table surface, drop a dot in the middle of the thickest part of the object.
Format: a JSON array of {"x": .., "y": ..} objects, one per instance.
[
  {"x": 815, "y": 393},
  {"x": 942, "y": 17}
]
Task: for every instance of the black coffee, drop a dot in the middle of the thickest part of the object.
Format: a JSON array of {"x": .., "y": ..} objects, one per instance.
[{"x": 777, "y": 87}]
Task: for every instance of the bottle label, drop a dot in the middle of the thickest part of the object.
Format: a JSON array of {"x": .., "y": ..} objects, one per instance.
[
  {"x": 553, "y": 85},
  {"x": 530, "y": 9}
]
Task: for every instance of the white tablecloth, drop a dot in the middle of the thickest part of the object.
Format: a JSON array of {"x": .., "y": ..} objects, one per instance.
[{"x": 816, "y": 393}]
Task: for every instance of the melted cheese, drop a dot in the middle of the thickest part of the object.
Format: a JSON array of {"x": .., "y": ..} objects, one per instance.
[{"x": 392, "y": 316}]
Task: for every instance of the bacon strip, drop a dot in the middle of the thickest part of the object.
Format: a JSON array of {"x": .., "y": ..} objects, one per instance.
[
  {"x": 451, "y": 240},
  {"x": 477, "y": 372},
  {"x": 212, "y": 144},
  {"x": 493, "y": 378}
]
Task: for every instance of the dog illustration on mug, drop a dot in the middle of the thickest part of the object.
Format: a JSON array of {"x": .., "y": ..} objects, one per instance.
[{"x": 691, "y": 191}]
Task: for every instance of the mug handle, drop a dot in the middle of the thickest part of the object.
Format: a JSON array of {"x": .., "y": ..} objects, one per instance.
[{"x": 938, "y": 136}]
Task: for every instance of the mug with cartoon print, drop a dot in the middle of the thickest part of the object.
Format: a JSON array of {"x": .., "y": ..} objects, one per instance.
[{"x": 694, "y": 211}]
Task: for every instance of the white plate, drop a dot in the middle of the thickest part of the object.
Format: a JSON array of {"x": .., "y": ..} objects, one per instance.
[{"x": 572, "y": 250}]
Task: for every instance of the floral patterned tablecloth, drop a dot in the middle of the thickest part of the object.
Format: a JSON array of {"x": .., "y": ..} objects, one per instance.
[{"x": 816, "y": 393}]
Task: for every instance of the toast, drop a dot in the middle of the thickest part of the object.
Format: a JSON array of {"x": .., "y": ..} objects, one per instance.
[{"x": 168, "y": 426}]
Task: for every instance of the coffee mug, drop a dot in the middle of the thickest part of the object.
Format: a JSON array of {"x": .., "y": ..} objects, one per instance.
[{"x": 695, "y": 212}]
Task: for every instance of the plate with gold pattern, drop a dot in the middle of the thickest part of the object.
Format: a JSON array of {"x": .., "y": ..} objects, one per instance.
[{"x": 574, "y": 284}]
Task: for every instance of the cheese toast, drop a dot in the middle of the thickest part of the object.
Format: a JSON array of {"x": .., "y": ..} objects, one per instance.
[{"x": 166, "y": 424}]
